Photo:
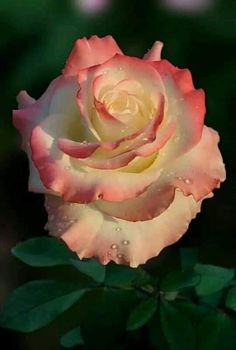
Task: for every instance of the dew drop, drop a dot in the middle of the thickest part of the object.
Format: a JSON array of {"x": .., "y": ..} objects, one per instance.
[
  {"x": 114, "y": 246},
  {"x": 187, "y": 181},
  {"x": 84, "y": 142},
  {"x": 145, "y": 139},
  {"x": 118, "y": 229},
  {"x": 73, "y": 221},
  {"x": 120, "y": 256},
  {"x": 186, "y": 224},
  {"x": 125, "y": 242},
  {"x": 120, "y": 68}
]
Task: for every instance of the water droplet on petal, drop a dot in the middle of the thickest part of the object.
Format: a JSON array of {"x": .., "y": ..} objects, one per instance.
[
  {"x": 187, "y": 181},
  {"x": 170, "y": 173},
  {"x": 125, "y": 242},
  {"x": 114, "y": 246},
  {"x": 120, "y": 68},
  {"x": 118, "y": 229},
  {"x": 84, "y": 142},
  {"x": 145, "y": 139},
  {"x": 73, "y": 221},
  {"x": 120, "y": 256}
]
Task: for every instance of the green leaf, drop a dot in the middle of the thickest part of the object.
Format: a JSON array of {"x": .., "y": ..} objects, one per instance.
[
  {"x": 188, "y": 258},
  {"x": 91, "y": 268},
  {"x": 230, "y": 301},
  {"x": 37, "y": 303},
  {"x": 155, "y": 335},
  {"x": 178, "y": 330},
  {"x": 212, "y": 299},
  {"x": 72, "y": 338},
  {"x": 102, "y": 316},
  {"x": 213, "y": 278},
  {"x": 177, "y": 280},
  {"x": 194, "y": 312},
  {"x": 141, "y": 314},
  {"x": 118, "y": 275},
  {"x": 217, "y": 332},
  {"x": 43, "y": 251}
]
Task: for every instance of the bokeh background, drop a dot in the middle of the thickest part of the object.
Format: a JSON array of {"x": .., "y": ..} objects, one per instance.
[{"x": 36, "y": 37}]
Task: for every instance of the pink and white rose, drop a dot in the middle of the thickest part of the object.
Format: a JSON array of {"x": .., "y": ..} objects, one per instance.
[{"x": 118, "y": 146}]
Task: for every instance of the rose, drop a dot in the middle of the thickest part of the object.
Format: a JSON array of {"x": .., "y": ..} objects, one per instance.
[{"x": 118, "y": 146}]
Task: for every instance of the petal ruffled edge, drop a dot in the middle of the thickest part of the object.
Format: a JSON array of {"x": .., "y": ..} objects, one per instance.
[
  {"x": 154, "y": 54},
  {"x": 90, "y": 233},
  {"x": 90, "y": 52}
]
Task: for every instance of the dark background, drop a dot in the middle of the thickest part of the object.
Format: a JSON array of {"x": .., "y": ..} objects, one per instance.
[{"x": 36, "y": 37}]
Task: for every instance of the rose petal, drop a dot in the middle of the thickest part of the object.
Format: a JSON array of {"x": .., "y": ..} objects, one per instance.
[
  {"x": 24, "y": 99},
  {"x": 148, "y": 205},
  {"x": 201, "y": 169},
  {"x": 196, "y": 173},
  {"x": 184, "y": 81},
  {"x": 144, "y": 145},
  {"x": 90, "y": 233},
  {"x": 109, "y": 75},
  {"x": 154, "y": 54},
  {"x": 185, "y": 104},
  {"x": 75, "y": 184},
  {"x": 90, "y": 52},
  {"x": 60, "y": 96},
  {"x": 77, "y": 149}
]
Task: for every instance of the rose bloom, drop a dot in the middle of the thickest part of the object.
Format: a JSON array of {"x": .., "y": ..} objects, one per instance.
[{"x": 118, "y": 146}]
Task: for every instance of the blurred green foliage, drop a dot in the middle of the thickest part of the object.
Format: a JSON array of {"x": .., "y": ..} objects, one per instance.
[
  {"x": 35, "y": 39},
  {"x": 182, "y": 307}
]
